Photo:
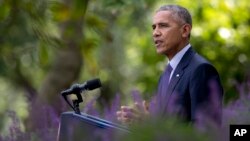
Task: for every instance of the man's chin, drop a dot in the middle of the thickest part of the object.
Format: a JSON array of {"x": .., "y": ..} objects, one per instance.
[{"x": 161, "y": 52}]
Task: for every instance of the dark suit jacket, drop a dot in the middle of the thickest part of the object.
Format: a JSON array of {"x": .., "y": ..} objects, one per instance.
[{"x": 195, "y": 89}]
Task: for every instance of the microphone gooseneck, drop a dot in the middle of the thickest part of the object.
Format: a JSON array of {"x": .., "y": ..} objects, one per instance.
[{"x": 77, "y": 90}]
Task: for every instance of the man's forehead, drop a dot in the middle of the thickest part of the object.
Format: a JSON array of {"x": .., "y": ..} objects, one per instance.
[
  {"x": 163, "y": 13},
  {"x": 162, "y": 16}
]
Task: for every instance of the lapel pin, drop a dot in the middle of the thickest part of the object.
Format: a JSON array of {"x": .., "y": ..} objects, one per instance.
[{"x": 177, "y": 75}]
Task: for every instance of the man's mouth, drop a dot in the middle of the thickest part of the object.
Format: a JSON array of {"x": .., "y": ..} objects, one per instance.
[{"x": 158, "y": 43}]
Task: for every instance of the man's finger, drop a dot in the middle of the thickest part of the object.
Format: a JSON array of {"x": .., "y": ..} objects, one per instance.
[
  {"x": 129, "y": 114},
  {"x": 127, "y": 109},
  {"x": 118, "y": 113},
  {"x": 145, "y": 106},
  {"x": 138, "y": 106},
  {"x": 126, "y": 120}
]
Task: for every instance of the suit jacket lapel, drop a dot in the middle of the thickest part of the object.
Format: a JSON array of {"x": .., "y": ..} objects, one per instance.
[{"x": 180, "y": 69}]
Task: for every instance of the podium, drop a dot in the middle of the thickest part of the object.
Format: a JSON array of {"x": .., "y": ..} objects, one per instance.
[{"x": 84, "y": 127}]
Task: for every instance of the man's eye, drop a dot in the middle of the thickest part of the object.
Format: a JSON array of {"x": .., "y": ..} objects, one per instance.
[{"x": 163, "y": 25}]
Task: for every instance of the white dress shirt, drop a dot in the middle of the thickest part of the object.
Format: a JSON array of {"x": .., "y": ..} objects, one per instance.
[{"x": 177, "y": 58}]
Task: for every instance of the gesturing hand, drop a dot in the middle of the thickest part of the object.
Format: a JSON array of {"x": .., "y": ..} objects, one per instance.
[{"x": 135, "y": 113}]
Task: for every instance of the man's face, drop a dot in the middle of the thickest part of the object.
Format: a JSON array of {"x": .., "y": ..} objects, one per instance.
[{"x": 167, "y": 33}]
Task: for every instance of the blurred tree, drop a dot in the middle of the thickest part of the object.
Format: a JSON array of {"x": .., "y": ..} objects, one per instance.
[
  {"x": 44, "y": 44},
  {"x": 114, "y": 26},
  {"x": 26, "y": 26},
  {"x": 67, "y": 63}
]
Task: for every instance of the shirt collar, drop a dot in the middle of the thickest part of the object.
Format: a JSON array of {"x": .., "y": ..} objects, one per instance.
[{"x": 177, "y": 58}]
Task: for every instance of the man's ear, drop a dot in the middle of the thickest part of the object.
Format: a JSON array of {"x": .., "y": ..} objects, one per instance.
[{"x": 186, "y": 30}]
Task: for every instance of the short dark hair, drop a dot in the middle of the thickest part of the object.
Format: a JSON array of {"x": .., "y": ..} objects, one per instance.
[{"x": 180, "y": 13}]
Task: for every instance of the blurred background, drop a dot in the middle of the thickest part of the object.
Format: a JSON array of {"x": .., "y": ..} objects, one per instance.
[{"x": 48, "y": 45}]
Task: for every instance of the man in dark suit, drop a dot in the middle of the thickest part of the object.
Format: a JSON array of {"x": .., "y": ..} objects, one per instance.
[{"x": 190, "y": 85}]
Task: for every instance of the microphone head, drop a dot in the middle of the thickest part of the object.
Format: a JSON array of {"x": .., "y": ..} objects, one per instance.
[{"x": 93, "y": 84}]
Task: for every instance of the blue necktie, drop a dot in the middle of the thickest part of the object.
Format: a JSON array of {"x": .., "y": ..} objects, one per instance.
[{"x": 163, "y": 86}]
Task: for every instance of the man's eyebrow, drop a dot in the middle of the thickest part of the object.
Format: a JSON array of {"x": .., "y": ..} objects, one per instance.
[
  {"x": 163, "y": 23},
  {"x": 160, "y": 23}
]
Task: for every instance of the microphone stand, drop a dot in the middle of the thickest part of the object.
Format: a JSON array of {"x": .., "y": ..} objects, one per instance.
[
  {"x": 77, "y": 90},
  {"x": 76, "y": 102},
  {"x": 76, "y": 107}
]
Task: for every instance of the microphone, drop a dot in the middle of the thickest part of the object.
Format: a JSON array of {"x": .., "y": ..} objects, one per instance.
[{"x": 78, "y": 88}]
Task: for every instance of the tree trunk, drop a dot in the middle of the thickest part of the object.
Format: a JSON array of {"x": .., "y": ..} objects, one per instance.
[{"x": 68, "y": 60}]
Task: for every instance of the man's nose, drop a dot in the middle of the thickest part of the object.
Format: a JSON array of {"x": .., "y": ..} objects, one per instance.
[{"x": 156, "y": 32}]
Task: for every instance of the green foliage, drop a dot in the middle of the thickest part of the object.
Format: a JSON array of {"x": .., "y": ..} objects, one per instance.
[
  {"x": 114, "y": 37},
  {"x": 221, "y": 34}
]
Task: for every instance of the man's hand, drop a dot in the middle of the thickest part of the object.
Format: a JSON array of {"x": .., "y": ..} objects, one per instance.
[{"x": 136, "y": 113}]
